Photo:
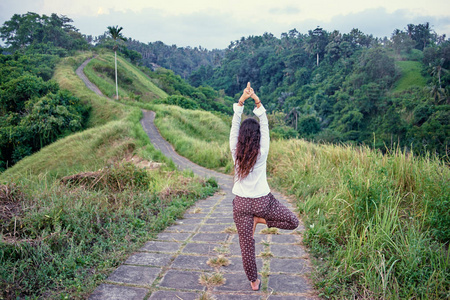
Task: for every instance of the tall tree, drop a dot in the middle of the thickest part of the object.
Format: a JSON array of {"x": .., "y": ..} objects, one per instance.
[
  {"x": 22, "y": 31},
  {"x": 437, "y": 69},
  {"x": 317, "y": 42},
  {"x": 116, "y": 34},
  {"x": 421, "y": 34}
]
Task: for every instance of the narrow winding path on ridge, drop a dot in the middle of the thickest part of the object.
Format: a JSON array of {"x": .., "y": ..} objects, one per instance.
[{"x": 170, "y": 266}]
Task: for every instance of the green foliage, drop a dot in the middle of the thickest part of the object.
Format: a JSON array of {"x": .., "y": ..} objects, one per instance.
[
  {"x": 283, "y": 132},
  {"x": 180, "y": 101},
  {"x": 70, "y": 231},
  {"x": 182, "y": 60},
  {"x": 202, "y": 97},
  {"x": 35, "y": 112},
  {"x": 415, "y": 55},
  {"x": 351, "y": 83},
  {"x": 378, "y": 222},
  {"x": 16, "y": 65},
  {"x": 439, "y": 212},
  {"x": 308, "y": 125},
  {"x": 30, "y": 29}
]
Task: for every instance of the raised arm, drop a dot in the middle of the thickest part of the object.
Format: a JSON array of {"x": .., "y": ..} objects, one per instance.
[
  {"x": 235, "y": 125},
  {"x": 238, "y": 108},
  {"x": 260, "y": 112}
]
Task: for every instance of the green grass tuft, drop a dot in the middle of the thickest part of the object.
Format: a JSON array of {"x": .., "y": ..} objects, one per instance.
[{"x": 218, "y": 261}]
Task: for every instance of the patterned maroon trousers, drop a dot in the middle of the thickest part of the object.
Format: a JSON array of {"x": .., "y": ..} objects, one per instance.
[{"x": 266, "y": 207}]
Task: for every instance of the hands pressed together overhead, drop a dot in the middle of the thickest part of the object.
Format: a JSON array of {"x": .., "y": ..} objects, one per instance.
[{"x": 249, "y": 93}]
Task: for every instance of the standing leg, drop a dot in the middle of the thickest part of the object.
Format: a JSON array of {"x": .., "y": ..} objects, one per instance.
[{"x": 243, "y": 219}]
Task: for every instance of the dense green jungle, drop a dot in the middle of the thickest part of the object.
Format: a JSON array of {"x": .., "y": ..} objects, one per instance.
[
  {"x": 334, "y": 87},
  {"x": 359, "y": 140}
]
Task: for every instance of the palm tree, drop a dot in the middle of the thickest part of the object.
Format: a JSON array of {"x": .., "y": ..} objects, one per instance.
[
  {"x": 116, "y": 34},
  {"x": 437, "y": 70}
]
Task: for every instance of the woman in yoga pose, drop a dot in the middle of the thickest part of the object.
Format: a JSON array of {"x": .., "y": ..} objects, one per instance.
[{"x": 254, "y": 203}]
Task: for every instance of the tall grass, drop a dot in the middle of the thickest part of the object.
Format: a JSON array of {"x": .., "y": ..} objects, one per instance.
[{"x": 369, "y": 218}]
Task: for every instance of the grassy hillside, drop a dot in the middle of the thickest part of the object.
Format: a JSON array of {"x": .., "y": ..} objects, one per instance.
[
  {"x": 73, "y": 212},
  {"x": 199, "y": 135},
  {"x": 410, "y": 76},
  {"x": 133, "y": 84},
  {"x": 102, "y": 110}
]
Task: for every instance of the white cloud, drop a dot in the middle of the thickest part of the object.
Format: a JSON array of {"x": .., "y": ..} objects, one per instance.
[
  {"x": 288, "y": 10},
  {"x": 380, "y": 23}
]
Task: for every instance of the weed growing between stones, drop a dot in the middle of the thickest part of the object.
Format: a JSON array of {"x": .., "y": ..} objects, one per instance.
[
  {"x": 218, "y": 261},
  {"x": 222, "y": 250},
  {"x": 205, "y": 296},
  {"x": 231, "y": 229},
  {"x": 272, "y": 230},
  {"x": 214, "y": 279},
  {"x": 266, "y": 254}
]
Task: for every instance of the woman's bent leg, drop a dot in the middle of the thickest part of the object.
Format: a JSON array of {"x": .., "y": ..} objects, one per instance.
[{"x": 279, "y": 216}]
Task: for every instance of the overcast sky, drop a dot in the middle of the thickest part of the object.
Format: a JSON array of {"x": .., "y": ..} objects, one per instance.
[{"x": 214, "y": 24}]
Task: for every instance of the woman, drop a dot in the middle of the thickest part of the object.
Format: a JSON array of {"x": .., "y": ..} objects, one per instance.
[{"x": 254, "y": 203}]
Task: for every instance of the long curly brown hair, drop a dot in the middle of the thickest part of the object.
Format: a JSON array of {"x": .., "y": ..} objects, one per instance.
[{"x": 247, "y": 149}]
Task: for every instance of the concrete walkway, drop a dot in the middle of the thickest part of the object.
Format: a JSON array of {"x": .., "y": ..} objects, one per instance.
[{"x": 170, "y": 266}]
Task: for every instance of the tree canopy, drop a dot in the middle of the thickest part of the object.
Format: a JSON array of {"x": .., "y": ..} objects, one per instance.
[
  {"x": 34, "y": 112},
  {"x": 31, "y": 29},
  {"x": 346, "y": 83}
]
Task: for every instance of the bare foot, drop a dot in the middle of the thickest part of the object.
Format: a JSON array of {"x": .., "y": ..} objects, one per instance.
[
  {"x": 256, "y": 221},
  {"x": 256, "y": 285}
]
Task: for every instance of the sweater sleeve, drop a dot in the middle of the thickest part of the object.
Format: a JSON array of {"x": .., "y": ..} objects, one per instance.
[
  {"x": 235, "y": 125},
  {"x": 264, "y": 127}
]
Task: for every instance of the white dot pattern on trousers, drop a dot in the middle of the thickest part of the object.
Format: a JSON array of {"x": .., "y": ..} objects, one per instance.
[{"x": 266, "y": 207}]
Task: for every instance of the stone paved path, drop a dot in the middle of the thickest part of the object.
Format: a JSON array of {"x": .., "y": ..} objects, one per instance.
[{"x": 170, "y": 266}]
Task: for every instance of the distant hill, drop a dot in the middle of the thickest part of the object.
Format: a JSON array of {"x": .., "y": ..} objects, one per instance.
[
  {"x": 411, "y": 75},
  {"x": 346, "y": 87}
]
